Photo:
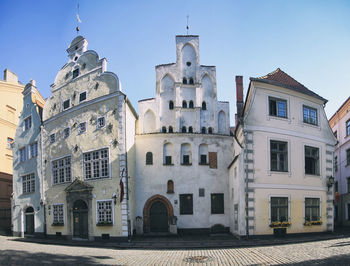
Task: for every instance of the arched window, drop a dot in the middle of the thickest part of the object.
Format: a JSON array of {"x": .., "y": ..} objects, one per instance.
[
  {"x": 170, "y": 186},
  {"x": 170, "y": 129},
  {"x": 183, "y": 130},
  {"x": 149, "y": 158},
  {"x": 204, "y": 130},
  {"x": 210, "y": 130},
  {"x": 190, "y": 104},
  {"x": 171, "y": 105},
  {"x": 191, "y": 81},
  {"x": 163, "y": 129},
  {"x": 204, "y": 105},
  {"x": 190, "y": 129},
  {"x": 184, "y": 80},
  {"x": 184, "y": 104},
  {"x": 186, "y": 154}
]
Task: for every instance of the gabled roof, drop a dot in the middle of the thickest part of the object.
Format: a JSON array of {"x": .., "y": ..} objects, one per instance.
[{"x": 282, "y": 79}]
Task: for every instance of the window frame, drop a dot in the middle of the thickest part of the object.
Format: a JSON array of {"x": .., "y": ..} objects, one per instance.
[
  {"x": 221, "y": 210},
  {"x": 74, "y": 75},
  {"x": 64, "y": 167},
  {"x": 171, "y": 105},
  {"x": 29, "y": 182},
  {"x": 98, "y": 214},
  {"x": 347, "y": 154},
  {"x": 63, "y": 104},
  {"x": 318, "y": 170},
  {"x": 277, "y": 100},
  {"x": 67, "y": 129},
  {"x": 347, "y": 127},
  {"x": 100, "y": 166},
  {"x": 309, "y": 116},
  {"x": 24, "y": 157},
  {"x": 25, "y": 124},
  {"x": 30, "y": 150},
  {"x": 149, "y": 158},
  {"x": 312, "y": 206},
  {"x": 79, "y": 128},
  {"x": 52, "y": 140},
  {"x": 10, "y": 143},
  {"x": 58, "y": 222},
  {"x": 187, "y": 210},
  {"x": 80, "y": 101},
  {"x": 101, "y": 118},
  {"x": 288, "y": 207},
  {"x": 286, "y": 165},
  {"x": 204, "y": 106}
]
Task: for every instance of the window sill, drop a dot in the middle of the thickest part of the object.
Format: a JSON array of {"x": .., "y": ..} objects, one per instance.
[
  {"x": 217, "y": 213},
  {"x": 312, "y": 175},
  {"x": 57, "y": 224},
  {"x": 186, "y": 164},
  {"x": 63, "y": 183},
  {"x": 104, "y": 224},
  {"x": 278, "y": 117},
  {"x": 28, "y": 193},
  {"x": 280, "y": 224},
  {"x": 168, "y": 164},
  {"x": 313, "y": 223},
  {"x": 186, "y": 213},
  {"x": 149, "y": 163},
  {"x": 203, "y": 164}
]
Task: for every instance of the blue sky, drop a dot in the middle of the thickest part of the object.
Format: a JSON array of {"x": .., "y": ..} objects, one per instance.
[{"x": 310, "y": 40}]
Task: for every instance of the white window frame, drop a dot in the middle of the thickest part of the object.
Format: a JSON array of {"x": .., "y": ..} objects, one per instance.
[
  {"x": 10, "y": 143},
  {"x": 53, "y": 210},
  {"x": 67, "y": 129},
  {"x": 54, "y": 138},
  {"x": 314, "y": 197},
  {"x": 319, "y": 175},
  {"x": 281, "y": 97},
  {"x": 68, "y": 104},
  {"x": 112, "y": 208},
  {"x": 24, "y": 148},
  {"x": 301, "y": 112},
  {"x": 100, "y": 168},
  {"x": 268, "y": 156},
  {"x": 30, "y": 150},
  {"x": 79, "y": 129},
  {"x": 280, "y": 196},
  {"x": 24, "y": 123},
  {"x": 98, "y": 124},
  {"x": 58, "y": 177},
  {"x": 32, "y": 179},
  {"x": 85, "y": 97}
]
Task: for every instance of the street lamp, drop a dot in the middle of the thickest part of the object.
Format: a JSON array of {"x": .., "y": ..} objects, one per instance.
[{"x": 330, "y": 182}]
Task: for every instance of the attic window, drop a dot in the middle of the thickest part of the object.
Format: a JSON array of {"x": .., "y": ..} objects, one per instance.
[
  {"x": 188, "y": 63},
  {"x": 75, "y": 58},
  {"x": 76, "y": 73}
]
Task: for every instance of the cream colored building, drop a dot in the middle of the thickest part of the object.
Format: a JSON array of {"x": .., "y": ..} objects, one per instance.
[
  {"x": 280, "y": 179},
  {"x": 10, "y": 108},
  {"x": 88, "y": 136}
]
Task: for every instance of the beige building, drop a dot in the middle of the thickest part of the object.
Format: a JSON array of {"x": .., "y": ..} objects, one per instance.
[
  {"x": 280, "y": 181},
  {"x": 10, "y": 107}
]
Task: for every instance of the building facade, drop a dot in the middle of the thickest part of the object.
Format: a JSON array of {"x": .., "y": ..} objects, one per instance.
[
  {"x": 88, "y": 135},
  {"x": 27, "y": 203},
  {"x": 340, "y": 124},
  {"x": 281, "y": 179},
  {"x": 183, "y": 149},
  {"x": 10, "y": 107}
]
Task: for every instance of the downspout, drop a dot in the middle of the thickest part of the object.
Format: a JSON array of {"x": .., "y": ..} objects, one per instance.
[
  {"x": 42, "y": 201},
  {"x": 126, "y": 174}
]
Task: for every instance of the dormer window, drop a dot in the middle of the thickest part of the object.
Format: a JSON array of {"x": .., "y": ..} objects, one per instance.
[
  {"x": 204, "y": 106},
  {"x": 171, "y": 105},
  {"x": 75, "y": 73},
  {"x": 184, "y": 80},
  {"x": 82, "y": 96},
  {"x": 184, "y": 104},
  {"x": 191, "y": 104},
  {"x": 66, "y": 104},
  {"x": 191, "y": 81}
]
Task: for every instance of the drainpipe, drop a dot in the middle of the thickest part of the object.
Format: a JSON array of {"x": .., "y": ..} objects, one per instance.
[{"x": 127, "y": 174}]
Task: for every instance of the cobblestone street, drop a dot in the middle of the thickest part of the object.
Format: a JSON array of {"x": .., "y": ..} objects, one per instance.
[{"x": 335, "y": 252}]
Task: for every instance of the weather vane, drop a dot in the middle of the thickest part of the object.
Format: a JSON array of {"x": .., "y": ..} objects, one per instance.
[
  {"x": 187, "y": 27},
  {"x": 78, "y": 21}
]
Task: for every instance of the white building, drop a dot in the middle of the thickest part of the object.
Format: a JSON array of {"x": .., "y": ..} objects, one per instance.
[
  {"x": 280, "y": 180},
  {"x": 183, "y": 148}
]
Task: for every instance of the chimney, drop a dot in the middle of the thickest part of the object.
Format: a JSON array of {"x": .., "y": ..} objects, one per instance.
[
  {"x": 239, "y": 97},
  {"x": 9, "y": 76}
]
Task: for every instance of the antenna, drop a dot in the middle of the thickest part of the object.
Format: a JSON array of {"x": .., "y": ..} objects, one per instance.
[
  {"x": 187, "y": 27},
  {"x": 78, "y": 21}
]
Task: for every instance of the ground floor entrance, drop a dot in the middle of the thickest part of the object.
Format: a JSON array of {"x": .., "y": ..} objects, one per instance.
[
  {"x": 80, "y": 219},
  {"x": 29, "y": 213}
]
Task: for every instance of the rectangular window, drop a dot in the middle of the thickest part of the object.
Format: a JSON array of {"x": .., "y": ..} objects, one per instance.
[
  {"x": 33, "y": 149},
  {"x": 82, "y": 127},
  {"x": 27, "y": 123},
  {"x": 217, "y": 203},
  {"x": 279, "y": 156},
  {"x": 22, "y": 154},
  {"x": 348, "y": 184},
  {"x": 336, "y": 186},
  {"x": 167, "y": 160},
  {"x": 101, "y": 122},
  {"x": 347, "y": 156},
  {"x": 104, "y": 212},
  {"x": 309, "y": 115},
  {"x": 312, "y": 209},
  {"x": 66, "y": 104},
  {"x": 336, "y": 163},
  {"x": 66, "y": 132},
  {"x": 10, "y": 143},
  {"x": 61, "y": 170},
  {"x": 52, "y": 138},
  {"x": 347, "y": 125},
  {"x": 279, "y": 209},
  {"x": 96, "y": 164},
  {"x": 348, "y": 205},
  {"x": 201, "y": 192},
  {"x": 28, "y": 183},
  {"x": 213, "y": 160},
  {"x": 82, "y": 96},
  {"x": 277, "y": 107},
  {"x": 312, "y": 161},
  {"x": 186, "y": 159},
  {"x": 335, "y": 133},
  {"x": 203, "y": 159},
  {"x": 186, "y": 204},
  {"x": 58, "y": 215},
  {"x": 75, "y": 73}
]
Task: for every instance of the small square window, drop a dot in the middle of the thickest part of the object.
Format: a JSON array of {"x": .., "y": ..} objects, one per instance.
[
  {"x": 82, "y": 96},
  {"x": 66, "y": 104},
  {"x": 82, "y": 127},
  {"x": 101, "y": 122},
  {"x": 52, "y": 138},
  {"x": 66, "y": 132}
]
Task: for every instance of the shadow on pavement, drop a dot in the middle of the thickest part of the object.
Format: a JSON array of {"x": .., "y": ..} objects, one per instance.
[{"x": 334, "y": 260}]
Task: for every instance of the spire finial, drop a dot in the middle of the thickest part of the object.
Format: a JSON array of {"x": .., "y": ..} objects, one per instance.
[
  {"x": 187, "y": 27},
  {"x": 78, "y": 21}
]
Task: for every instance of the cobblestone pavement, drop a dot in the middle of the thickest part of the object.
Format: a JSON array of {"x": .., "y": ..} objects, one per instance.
[{"x": 336, "y": 251}]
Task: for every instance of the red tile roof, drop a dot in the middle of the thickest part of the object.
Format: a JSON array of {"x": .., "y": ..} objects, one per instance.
[{"x": 280, "y": 78}]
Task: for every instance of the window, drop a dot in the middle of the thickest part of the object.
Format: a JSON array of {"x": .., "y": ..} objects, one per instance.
[
  {"x": 210, "y": 130},
  {"x": 201, "y": 192},
  {"x": 348, "y": 205},
  {"x": 61, "y": 170},
  {"x": 27, "y": 123},
  {"x": 167, "y": 160},
  {"x": 170, "y": 186},
  {"x": 186, "y": 204},
  {"x": 348, "y": 157},
  {"x": 149, "y": 158},
  {"x": 190, "y": 129},
  {"x": 279, "y": 156},
  {"x": 58, "y": 215},
  {"x": 82, "y": 128},
  {"x": 82, "y": 96},
  {"x": 101, "y": 122},
  {"x": 348, "y": 127},
  {"x": 312, "y": 209},
  {"x": 75, "y": 73},
  {"x": 279, "y": 209},
  {"x": 33, "y": 149},
  {"x": 171, "y": 129},
  {"x": 188, "y": 63},
  {"x": 66, "y": 104},
  {"x": 22, "y": 154},
  {"x": 336, "y": 163},
  {"x": 28, "y": 183},
  {"x": 183, "y": 130},
  {"x": 277, "y": 107},
  {"x": 204, "y": 130},
  {"x": 168, "y": 150},
  {"x": 184, "y": 80},
  {"x": 203, "y": 159},
  {"x": 348, "y": 184},
  {"x": 163, "y": 129},
  {"x": 96, "y": 164},
  {"x": 204, "y": 106},
  {"x": 52, "y": 138},
  {"x": 171, "y": 105},
  {"x": 309, "y": 115},
  {"x": 336, "y": 189},
  {"x": 311, "y": 161},
  {"x": 217, "y": 203},
  {"x": 335, "y": 133},
  {"x": 184, "y": 104},
  {"x": 190, "y": 104},
  {"x": 186, "y": 154},
  {"x": 66, "y": 132},
  {"x": 10, "y": 143},
  {"x": 186, "y": 159},
  {"x": 104, "y": 212},
  {"x": 191, "y": 81},
  {"x": 203, "y": 154},
  {"x": 213, "y": 160}
]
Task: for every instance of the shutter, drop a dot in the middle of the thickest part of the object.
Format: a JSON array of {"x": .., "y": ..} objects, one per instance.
[{"x": 213, "y": 160}]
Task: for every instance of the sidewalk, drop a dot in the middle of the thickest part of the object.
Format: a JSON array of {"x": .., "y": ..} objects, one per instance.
[{"x": 190, "y": 242}]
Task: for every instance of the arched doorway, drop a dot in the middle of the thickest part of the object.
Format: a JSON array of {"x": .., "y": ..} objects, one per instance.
[
  {"x": 29, "y": 220},
  {"x": 156, "y": 214},
  {"x": 80, "y": 219}
]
